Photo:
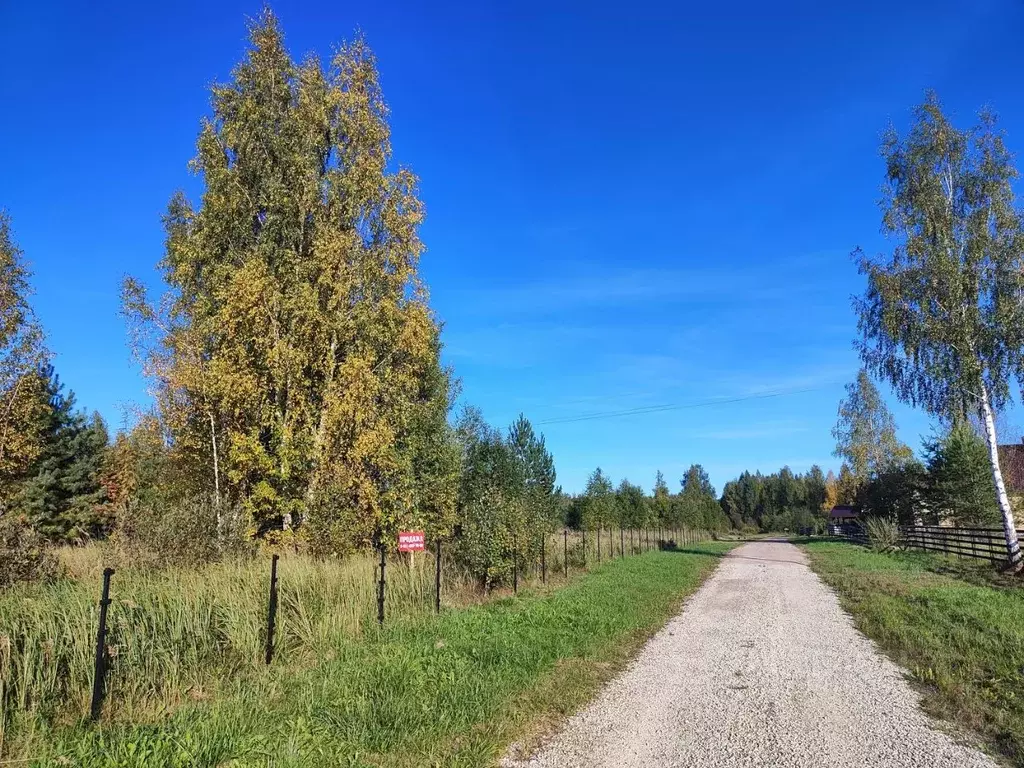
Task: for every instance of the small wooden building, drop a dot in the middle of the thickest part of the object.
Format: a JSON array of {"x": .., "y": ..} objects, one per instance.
[
  {"x": 842, "y": 519},
  {"x": 1011, "y": 462}
]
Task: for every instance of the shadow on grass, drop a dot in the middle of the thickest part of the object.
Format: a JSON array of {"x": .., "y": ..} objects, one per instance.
[
  {"x": 822, "y": 540},
  {"x": 974, "y": 571}
]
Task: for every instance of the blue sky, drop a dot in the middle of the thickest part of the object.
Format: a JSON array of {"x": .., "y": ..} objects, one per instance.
[{"x": 629, "y": 205}]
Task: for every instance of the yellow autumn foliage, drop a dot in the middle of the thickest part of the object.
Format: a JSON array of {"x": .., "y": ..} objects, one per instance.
[{"x": 294, "y": 355}]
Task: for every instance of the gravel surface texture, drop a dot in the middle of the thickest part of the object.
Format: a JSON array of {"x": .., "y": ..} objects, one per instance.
[{"x": 762, "y": 668}]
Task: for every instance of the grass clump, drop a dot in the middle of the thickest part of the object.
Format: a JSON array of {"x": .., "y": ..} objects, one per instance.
[
  {"x": 178, "y": 635},
  {"x": 451, "y": 690},
  {"x": 960, "y": 635},
  {"x": 883, "y": 533}
]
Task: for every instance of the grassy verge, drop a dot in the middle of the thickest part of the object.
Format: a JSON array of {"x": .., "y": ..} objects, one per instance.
[
  {"x": 181, "y": 634},
  {"x": 958, "y": 631},
  {"x": 452, "y": 690}
]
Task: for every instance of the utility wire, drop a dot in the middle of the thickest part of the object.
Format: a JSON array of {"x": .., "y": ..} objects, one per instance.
[{"x": 673, "y": 407}]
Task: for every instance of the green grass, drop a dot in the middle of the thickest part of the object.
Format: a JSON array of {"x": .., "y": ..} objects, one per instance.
[
  {"x": 179, "y": 634},
  {"x": 452, "y": 690},
  {"x": 176, "y": 635},
  {"x": 958, "y": 628}
]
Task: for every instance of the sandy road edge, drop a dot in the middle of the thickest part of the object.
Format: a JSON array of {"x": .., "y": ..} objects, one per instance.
[
  {"x": 963, "y": 735},
  {"x": 543, "y": 727},
  {"x": 899, "y": 751}
]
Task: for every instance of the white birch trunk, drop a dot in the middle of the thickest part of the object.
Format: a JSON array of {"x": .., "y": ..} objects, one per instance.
[{"x": 1009, "y": 526}]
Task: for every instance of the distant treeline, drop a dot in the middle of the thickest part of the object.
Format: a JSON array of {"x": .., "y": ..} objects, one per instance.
[
  {"x": 780, "y": 501},
  {"x": 603, "y": 505}
]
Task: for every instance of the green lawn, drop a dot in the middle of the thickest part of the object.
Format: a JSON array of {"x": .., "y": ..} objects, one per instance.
[
  {"x": 958, "y": 628},
  {"x": 454, "y": 690}
]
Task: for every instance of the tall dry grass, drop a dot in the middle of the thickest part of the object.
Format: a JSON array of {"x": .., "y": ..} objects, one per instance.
[{"x": 185, "y": 633}]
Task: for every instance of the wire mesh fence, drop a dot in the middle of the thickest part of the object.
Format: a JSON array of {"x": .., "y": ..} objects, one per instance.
[{"x": 148, "y": 632}]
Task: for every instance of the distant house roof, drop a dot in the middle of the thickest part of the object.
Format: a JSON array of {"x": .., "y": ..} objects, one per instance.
[
  {"x": 843, "y": 512},
  {"x": 1011, "y": 462}
]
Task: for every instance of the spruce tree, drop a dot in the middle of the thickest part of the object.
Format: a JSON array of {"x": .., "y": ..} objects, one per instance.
[
  {"x": 814, "y": 484},
  {"x": 959, "y": 483},
  {"x": 62, "y": 494},
  {"x": 537, "y": 466},
  {"x": 496, "y": 524}
]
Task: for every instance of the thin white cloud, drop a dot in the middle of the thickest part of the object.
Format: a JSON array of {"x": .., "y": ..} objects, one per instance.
[
  {"x": 516, "y": 345},
  {"x": 754, "y": 431},
  {"x": 823, "y": 376},
  {"x": 604, "y": 287}
]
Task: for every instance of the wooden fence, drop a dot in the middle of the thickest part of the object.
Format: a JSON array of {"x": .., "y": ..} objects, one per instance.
[
  {"x": 977, "y": 543},
  {"x": 980, "y": 543}
]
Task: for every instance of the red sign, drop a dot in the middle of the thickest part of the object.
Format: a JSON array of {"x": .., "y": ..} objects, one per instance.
[{"x": 411, "y": 541}]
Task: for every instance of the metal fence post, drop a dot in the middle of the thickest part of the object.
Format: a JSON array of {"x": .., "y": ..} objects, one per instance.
[
  {"x": 271, "y": 611},
  {"x": 584, "y": 529},
  {"x": 565, "y": 551},
  {"x": 543, "y": 558},
  {"x": 99, "y": 673},
  {"x": 622, "y": 542},
  {"x": 380, "y": 585},
  {"x": 599, "y": 543},
  {"x": 515, "y": 566},
  {"x": 437, "y": 579}
]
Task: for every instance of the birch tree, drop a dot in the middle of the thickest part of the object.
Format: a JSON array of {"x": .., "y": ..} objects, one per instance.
[
  {"x": 599, "y": 510},
  {"x": 295, "y": 356},
  {"x": 865, "y": 432},
  {"x": 22, "y": 353},
  {"x": 661, "y": 500},
  {"x": 941, "y": 318}
]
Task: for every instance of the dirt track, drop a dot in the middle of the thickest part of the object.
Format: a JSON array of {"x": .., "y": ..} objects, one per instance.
[{"x": 762, "y": 668}]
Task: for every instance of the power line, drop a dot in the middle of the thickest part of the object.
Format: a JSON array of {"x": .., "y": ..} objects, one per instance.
[{"x": 673, "y": 407}]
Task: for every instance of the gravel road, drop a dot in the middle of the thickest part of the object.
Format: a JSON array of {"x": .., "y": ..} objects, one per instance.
[{"x": 762, "y": 668}]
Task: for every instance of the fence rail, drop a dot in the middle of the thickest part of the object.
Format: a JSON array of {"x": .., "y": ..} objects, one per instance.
[
  {"x": 973, "y": 543},
  {"x": 978, "y": 543}
]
